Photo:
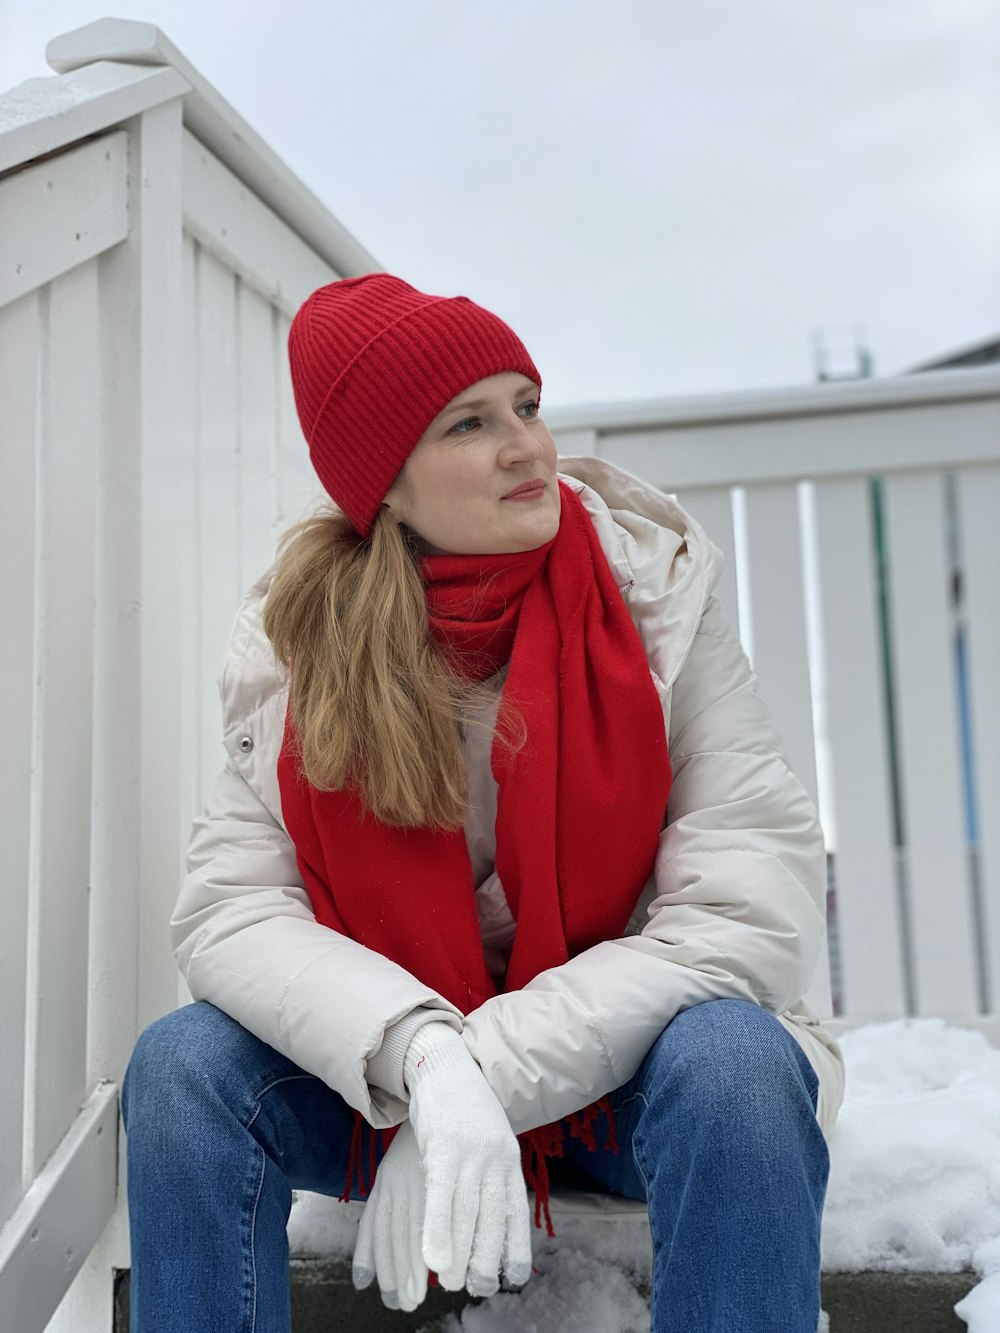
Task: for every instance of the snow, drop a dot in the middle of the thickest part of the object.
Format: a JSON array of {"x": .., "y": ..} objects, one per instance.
[
  {"x": 914, "y": 1187},
  {"x": 915, "y": 1159},
  {"x": 37, "y": 99}
]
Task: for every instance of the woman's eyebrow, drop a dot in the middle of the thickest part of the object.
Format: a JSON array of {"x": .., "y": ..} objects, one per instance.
[{"x": 473, "y": 404}]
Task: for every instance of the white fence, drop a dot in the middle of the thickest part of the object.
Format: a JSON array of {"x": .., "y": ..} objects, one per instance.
[
  {"x": 152, "y": 252},
  {"x": 870, "y": 610}
]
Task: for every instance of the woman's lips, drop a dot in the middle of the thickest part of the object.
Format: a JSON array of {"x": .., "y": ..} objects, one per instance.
[{"x": 531, "y": 490}]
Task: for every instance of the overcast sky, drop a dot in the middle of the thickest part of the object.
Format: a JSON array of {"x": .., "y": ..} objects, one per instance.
[{"x": 661, "y": 196}]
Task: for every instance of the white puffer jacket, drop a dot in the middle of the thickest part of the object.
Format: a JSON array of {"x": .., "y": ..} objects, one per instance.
[{"x": 734, "y": 908}]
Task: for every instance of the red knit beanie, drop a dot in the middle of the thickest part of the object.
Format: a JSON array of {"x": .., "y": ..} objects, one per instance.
[{"x": 373, "y": 362}]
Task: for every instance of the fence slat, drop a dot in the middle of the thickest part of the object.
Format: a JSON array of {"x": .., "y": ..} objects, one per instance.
[
  {"x": 258, "y": 376},
  {"x": 68, "y": 481},
  {"x": 192, "y": 680},
  {"x": 938, "y": 900},
  {"x": 298, "y": 491},
  {"x": 775, "y": 584},
  {"x": 777, "y": 612},
  {"x": 712, "y": 507},
  {"x": 979, "y": 508},
  {"x": 218, "y": 490},
  {"x": 868, "y": 924},
  {"x": 19, "y": 386}
]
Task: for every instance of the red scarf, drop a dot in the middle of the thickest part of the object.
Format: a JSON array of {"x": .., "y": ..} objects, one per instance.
[{"x": 579, "y": 807}]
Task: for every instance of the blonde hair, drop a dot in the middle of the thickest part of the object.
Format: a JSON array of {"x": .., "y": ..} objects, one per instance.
[{"x": 374, "y": 703}]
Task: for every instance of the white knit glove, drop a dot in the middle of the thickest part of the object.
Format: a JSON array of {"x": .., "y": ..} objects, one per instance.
[
  {"x": 389, "y": 1236},
  {"x": 476, "y": 1223}
]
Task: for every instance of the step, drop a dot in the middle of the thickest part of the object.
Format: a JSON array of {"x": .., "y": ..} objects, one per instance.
[{"x": 323, "y": 1299}]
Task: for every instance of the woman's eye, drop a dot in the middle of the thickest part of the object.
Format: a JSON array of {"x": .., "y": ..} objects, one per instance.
[
  {"x": 460, "y": 426},
  {"x": 532, "y": 406}
]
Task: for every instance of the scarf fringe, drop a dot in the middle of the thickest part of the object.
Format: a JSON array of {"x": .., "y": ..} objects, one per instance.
[{"x": 537, "y": 1146}]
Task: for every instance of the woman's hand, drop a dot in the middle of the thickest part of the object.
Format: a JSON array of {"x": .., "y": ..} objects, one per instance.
[
  {"x": 477, "y": 1227},
  {"x": 389, "y": 1237}
]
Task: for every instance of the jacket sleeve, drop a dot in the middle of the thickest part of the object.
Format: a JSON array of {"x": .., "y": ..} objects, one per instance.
[
  {"x": 246, "y": 939},
  {"x": 736, "y": 908}
]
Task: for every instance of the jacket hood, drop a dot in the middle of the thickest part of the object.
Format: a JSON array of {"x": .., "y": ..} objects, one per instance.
[{"x": 661, "y": 554}]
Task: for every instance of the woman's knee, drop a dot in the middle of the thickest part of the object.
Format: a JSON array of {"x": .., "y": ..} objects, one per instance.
[
  {"x": 179, "y": 1057},
  {"x": 728, "y": 1057}
]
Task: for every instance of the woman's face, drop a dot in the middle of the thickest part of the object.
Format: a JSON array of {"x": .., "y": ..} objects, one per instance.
[{"x": 482, "y": 478}]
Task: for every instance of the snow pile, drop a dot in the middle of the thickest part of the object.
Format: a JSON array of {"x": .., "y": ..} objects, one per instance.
[
  {"x": 914, "y": 1186},
  {"x": 915, "y": 1159},
  {"x": 589, "y": 1272},
  {"x": 320, "y": 1227}
]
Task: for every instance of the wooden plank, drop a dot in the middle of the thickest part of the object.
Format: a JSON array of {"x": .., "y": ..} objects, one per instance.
[
  {"x": 19, "y": 387},
  {"x": 68, "y": 480},
  {"x": 218, "y": 491},
  {"x": 894, "y": 438},
  {"x": 777, "y": 612},
  {"x": 231, "y": 222},
  {"x": 938, "y": 893},
  {"x": 870, "y": 932},
  {"x": 116, "y": 867},
  {"x": 979, "y": 508},
  {"x": 257, "y": 391},
  {"x": 775, "y": 609},
  {"x": 189, "y": 555},
  {"x": 712, "y": 507},
  {"x": 61, "y": 1217},
  {"x": 42, "y": 116},
  {"x": 298, "y": 489},
  {"x": 61, "y": 213},
  {"x": 159, "y": 364}
]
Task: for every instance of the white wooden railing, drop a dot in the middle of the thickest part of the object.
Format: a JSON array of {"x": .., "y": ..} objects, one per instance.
[
  {"x": 785, "y": 483},
  {"x": 152, "y": 252}
]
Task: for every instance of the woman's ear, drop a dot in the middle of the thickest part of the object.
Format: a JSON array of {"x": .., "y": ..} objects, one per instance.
[{"x": 393, "y": 500}]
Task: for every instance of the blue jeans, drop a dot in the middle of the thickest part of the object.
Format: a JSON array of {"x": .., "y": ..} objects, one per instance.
[{"x": 718, "y": 1135}]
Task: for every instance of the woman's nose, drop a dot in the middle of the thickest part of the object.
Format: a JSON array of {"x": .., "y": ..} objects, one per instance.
[{"x": 523, "y": 440}]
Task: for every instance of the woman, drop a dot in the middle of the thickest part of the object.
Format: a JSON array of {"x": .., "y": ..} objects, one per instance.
[{"x": 506, "y": 847}]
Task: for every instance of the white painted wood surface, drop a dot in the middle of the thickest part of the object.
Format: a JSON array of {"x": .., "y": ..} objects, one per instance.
[
  {"x": 869, "y": 926},
  {"x": 61, "y": 213},
  {"x": 45, "y": 115},
  {"x": 226, "y": 218},
  {"x": 19, "y": 391},
  {"x": 115, "y": 428},
  {"x": 258, "y": 365},
  {"x": 156, "y": 365},
  {"x": 777, "y": 599},
  {"x": 712, "y": 507},
  {"x": 218, "y": 489},
  {"x": 60, "y": 882},
  {"x": 219, "y": 127},
  {"x": 979, "y": 518},
  {"x": 938, "y": 895},
  {"x": 801, "y": 435},
  {"x": 298, "y": 490},
  {"x": 48, "y": 1238}
]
